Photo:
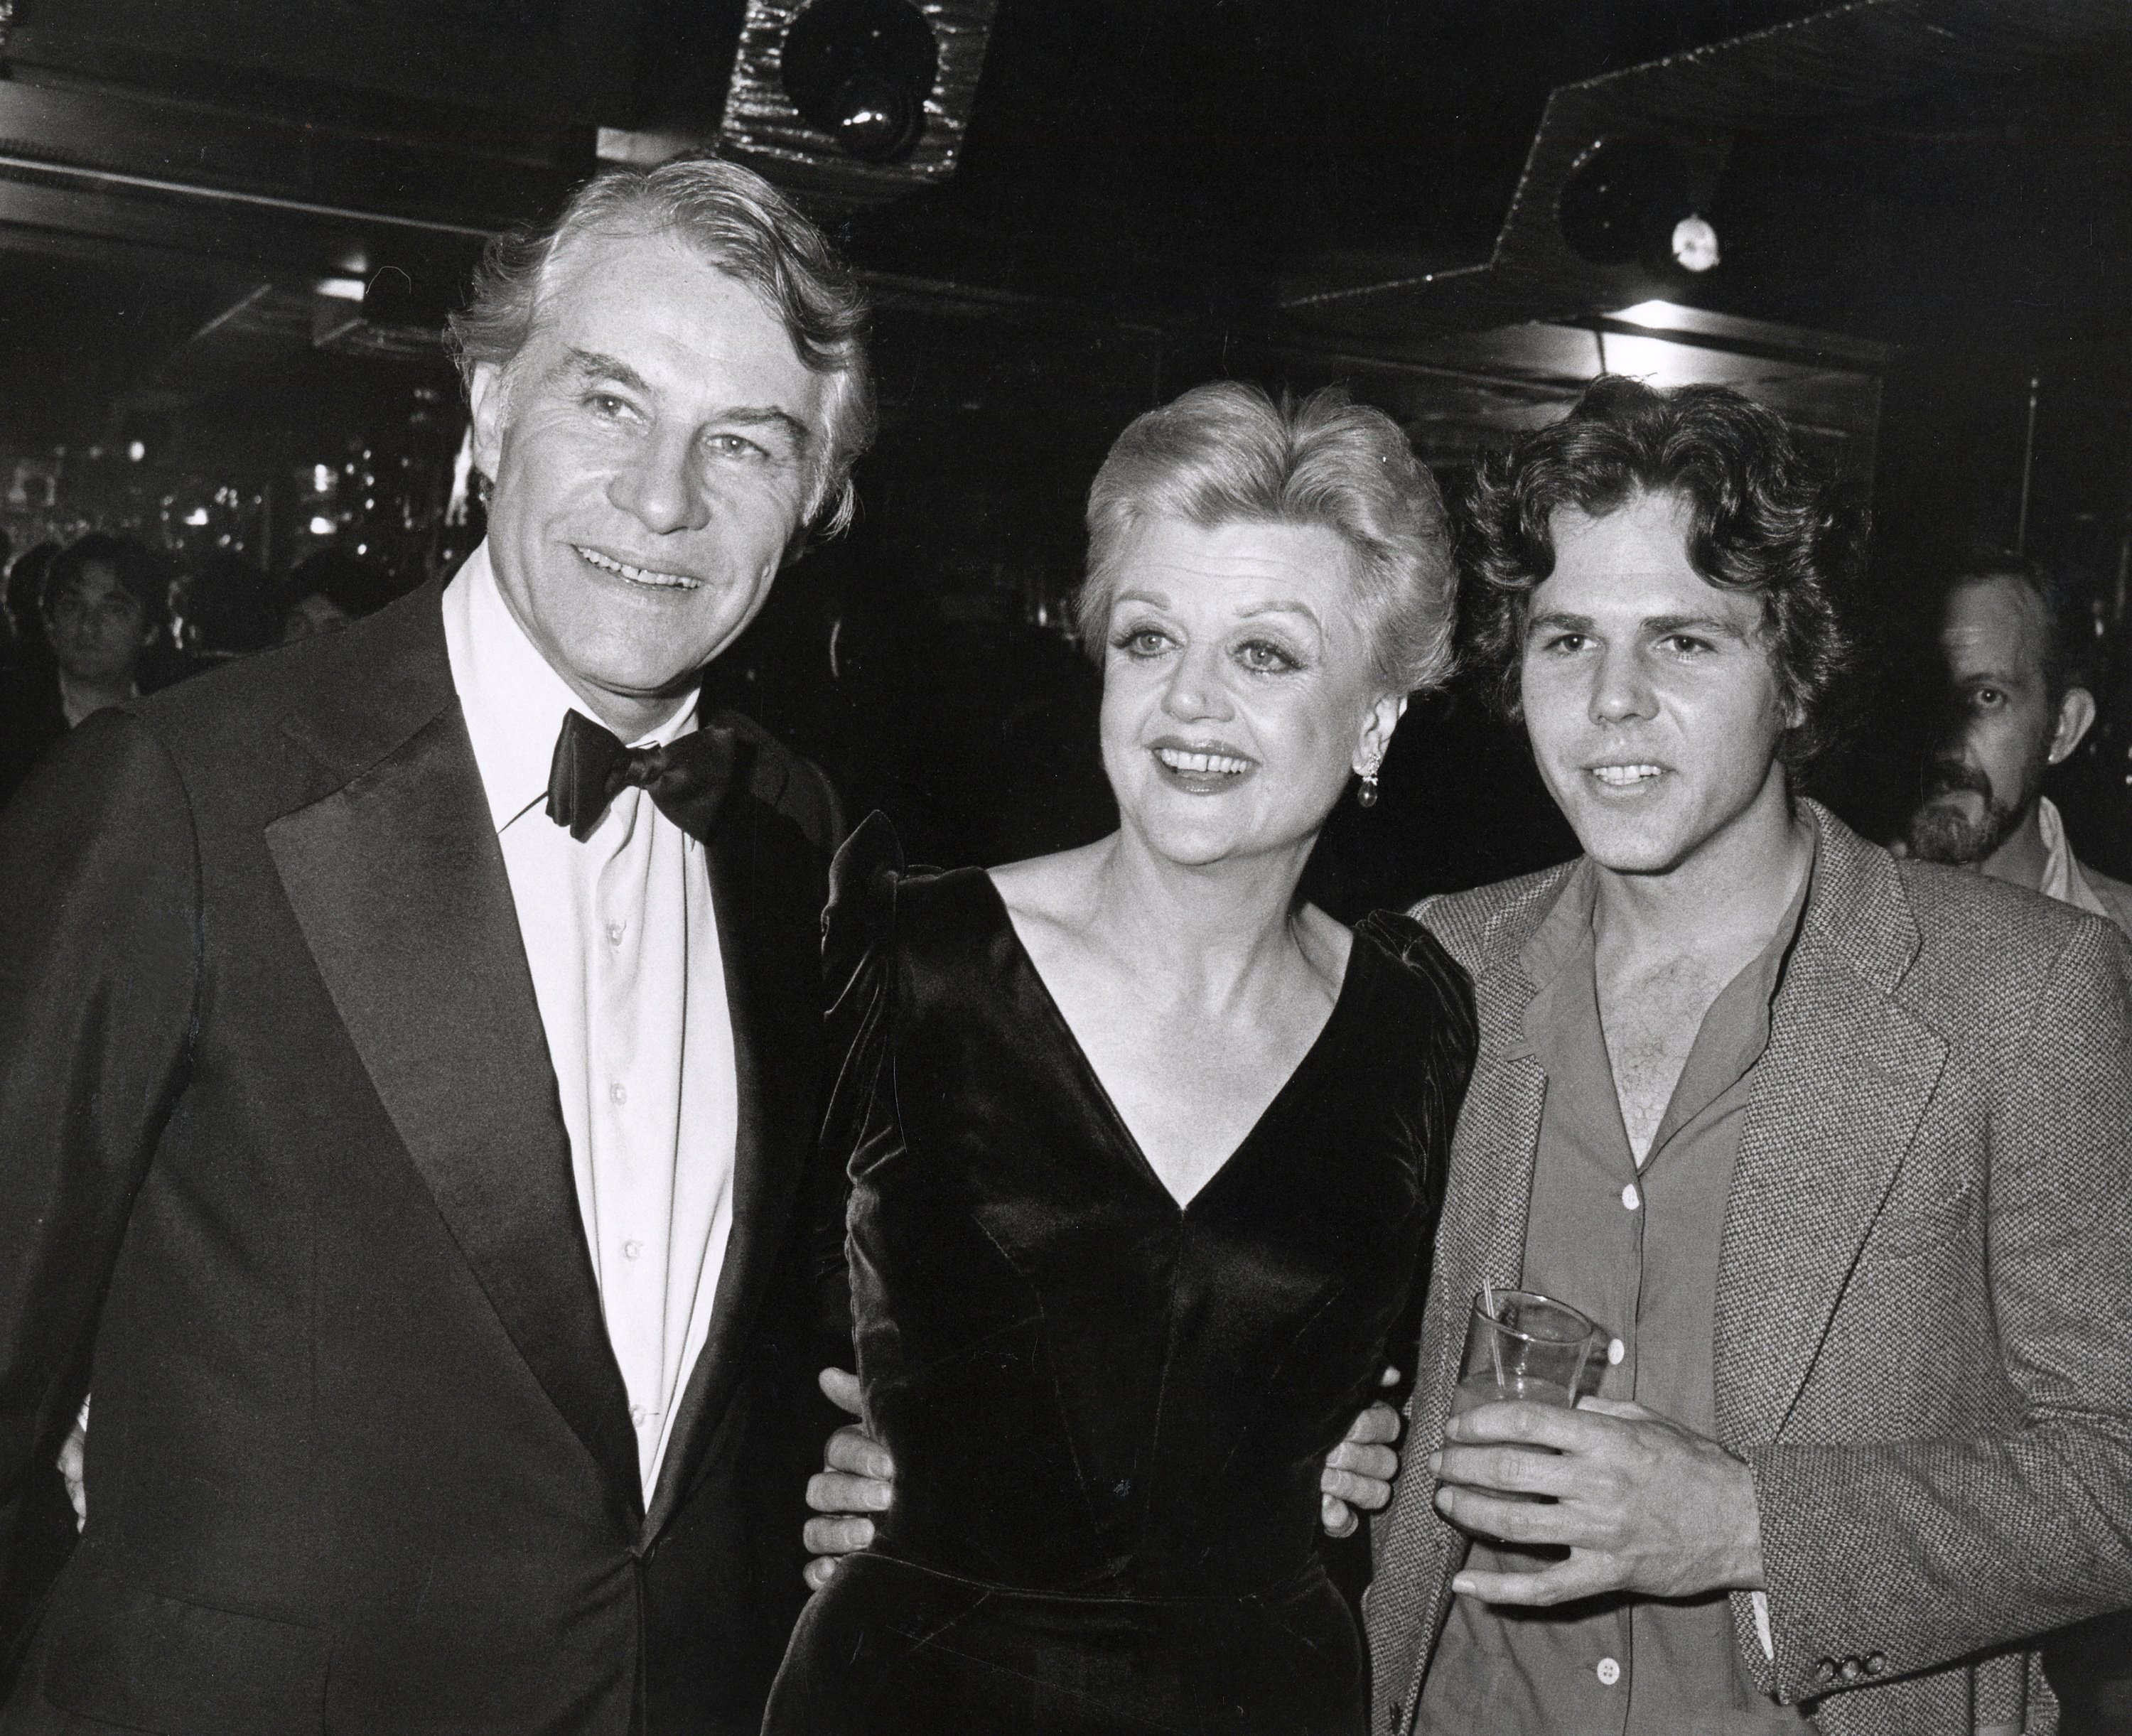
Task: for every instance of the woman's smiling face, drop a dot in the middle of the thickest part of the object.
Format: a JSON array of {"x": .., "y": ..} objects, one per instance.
[{"x": 1238, "y": 686}]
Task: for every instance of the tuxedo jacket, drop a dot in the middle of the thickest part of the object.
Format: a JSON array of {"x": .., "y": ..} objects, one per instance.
[
  {"x": 1924, "y": 1343},
  {"x": 286, "y": 1179}
]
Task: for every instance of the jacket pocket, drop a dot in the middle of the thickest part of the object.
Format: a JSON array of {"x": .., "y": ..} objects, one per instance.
[
  {"x": 1909, "y": 1228},
  {"x": 131, "y": 1657}
]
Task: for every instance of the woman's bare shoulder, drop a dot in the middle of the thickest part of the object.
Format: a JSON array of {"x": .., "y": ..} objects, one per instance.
[{"x": 1054, "y": 890}]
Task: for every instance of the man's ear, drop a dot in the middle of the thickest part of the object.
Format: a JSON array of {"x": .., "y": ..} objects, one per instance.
[
  {"x": 2076, "y": 718},
  {"x": 485, "y": 397}
]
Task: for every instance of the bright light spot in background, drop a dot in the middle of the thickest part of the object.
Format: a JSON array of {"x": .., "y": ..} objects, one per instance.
[
  {"x": 322, "y": 479},
  {"x": 455, "y": 508},
  {"x": 197, "y": 517},
  {"x": 323, "y": 526},
  {"x": 1694, "y": 245},
  {"x": 1657, "y": 362},
  {"x": 1657, "y": 316},
  {"x": 342, "y": 289},
  {"x": 136, "y": 451}
]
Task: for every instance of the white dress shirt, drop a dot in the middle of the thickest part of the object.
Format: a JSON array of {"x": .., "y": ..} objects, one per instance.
[
  {"x": 2063, "y": 878},
  {"x": 623, "y": 944}
]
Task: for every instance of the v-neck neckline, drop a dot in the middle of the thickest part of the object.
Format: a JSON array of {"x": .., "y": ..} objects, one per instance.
[{"x": 1120, "y": 1129}]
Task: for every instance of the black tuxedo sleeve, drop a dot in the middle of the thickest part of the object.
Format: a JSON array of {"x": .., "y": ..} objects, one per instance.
[{"x": 99, "y": 918}]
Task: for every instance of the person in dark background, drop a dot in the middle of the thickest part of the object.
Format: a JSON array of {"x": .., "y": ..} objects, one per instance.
[
  {"x": 326, "y": 590},
  {"x": 25, "y": 604},
  {"x": 2016, "y": 703},
  {"x": 101, "y": 613},
  {"x": 1144, "y": 1151}
]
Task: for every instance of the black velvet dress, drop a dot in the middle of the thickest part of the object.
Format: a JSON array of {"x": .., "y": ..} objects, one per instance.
[{"x": 1108, "y": 1414}]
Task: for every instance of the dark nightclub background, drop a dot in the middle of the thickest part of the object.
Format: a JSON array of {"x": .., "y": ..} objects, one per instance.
[{"x": 229, "y": 231}]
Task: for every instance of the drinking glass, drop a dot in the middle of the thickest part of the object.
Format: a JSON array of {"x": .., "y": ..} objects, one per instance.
[{"x": 1522, "y": 1345}]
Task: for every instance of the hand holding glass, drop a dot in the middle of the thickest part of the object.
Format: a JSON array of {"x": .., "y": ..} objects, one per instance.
[{"x": 1522, "y": 1345}]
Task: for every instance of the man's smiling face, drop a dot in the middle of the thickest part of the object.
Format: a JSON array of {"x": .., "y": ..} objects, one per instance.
[
  {"x": 1649, "y": 694},
  {"x": 650, "y": 448}
]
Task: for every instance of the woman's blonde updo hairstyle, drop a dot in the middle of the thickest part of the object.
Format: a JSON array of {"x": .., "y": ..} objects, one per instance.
[{"x": 1229, "y": 454}]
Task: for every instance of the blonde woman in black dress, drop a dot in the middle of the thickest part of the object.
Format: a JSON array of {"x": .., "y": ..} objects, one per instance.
[{"x": 1144, "y": 1151}]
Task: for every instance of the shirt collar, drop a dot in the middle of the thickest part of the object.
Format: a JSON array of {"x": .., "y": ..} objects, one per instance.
[
  {"x": 1563, "y": 1031},
  {"x": 1564, "y": 938},
  {"x": 2062, "y": 878},
  {"x": 1566, "y": 930},
  {"x": 513, "y": 700}
]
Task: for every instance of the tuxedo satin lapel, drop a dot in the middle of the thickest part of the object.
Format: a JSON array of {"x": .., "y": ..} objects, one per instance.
[
  {"x": 1840, "y": 1092},
  {"x": 399, "y": 885},
  {"x": 1481, "y": 1238},
  {"x": 766, "y": 885}
]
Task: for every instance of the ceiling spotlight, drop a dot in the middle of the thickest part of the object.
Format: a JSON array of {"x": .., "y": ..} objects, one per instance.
[
  {"x": 1629, "y": 200},
  {"x": 1694, "y": 245},
  {"x": 861, "y": 70}
]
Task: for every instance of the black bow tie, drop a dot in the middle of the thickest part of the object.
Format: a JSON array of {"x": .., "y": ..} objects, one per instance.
[{"x": 688, "y": 779}]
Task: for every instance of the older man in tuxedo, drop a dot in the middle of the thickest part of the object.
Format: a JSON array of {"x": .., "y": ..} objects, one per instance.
[
  {"x": 410, "y": 1054},
  {"x": 1832, "y": 1148}
]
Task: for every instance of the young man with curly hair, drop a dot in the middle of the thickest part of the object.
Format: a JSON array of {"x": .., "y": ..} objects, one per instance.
[{"x": 1831, "y": 1147}]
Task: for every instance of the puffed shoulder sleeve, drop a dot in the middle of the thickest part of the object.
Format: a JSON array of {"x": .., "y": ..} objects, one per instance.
[
  {"x": 856, "y": 928},
  {"x": 1449, "y": 1033},
  {"x": 1456, "y": 1032}
]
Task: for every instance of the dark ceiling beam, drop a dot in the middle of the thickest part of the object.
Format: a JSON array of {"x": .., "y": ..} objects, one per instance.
[{"x": 1834, "y": 67}]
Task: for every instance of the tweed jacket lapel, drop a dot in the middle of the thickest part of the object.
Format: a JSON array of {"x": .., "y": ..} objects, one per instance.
[
  {"x": 399, "y": 887},
  {"x": 1846, "y": 1075},
  {"x": 1480, "y": 1238}
]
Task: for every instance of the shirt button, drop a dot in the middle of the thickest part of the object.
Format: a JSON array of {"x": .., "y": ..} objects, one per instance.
[
  {"x": 618, "y": 1092},
  {"x": 1610, "y": 1672},
  {"x": 636, "y": 1415},
  {"x": 630, "y": 1250},
  {"x": 1630, "y": 1199},
  {"x": 1616, "y": 1350},
  {"x": 615, "y": 932}
]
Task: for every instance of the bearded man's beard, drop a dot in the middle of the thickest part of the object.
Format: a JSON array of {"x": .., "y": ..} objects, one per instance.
[{"x": 1945, "y": 828}]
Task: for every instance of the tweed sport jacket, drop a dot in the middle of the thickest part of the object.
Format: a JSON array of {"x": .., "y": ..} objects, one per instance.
[{"x": 1924, "y": 1320}]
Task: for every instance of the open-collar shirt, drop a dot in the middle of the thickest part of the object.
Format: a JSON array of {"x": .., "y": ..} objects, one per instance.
[
  {"x": 2064, "y": 879},
  {"x": 1635, "y": 1245}
]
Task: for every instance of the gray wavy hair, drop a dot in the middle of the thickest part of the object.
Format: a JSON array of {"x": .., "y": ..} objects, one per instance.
[
  {"x": 1230, "y": 452},
  {"x": 748, "y": 230}
]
